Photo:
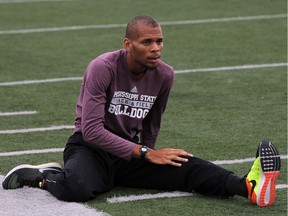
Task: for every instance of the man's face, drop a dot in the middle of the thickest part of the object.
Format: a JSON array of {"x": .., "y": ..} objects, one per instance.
[{"x": 144, "y": 50}]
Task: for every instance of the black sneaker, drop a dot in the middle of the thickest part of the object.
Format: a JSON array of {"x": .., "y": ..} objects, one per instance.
[{"x": 29, "y": 175}]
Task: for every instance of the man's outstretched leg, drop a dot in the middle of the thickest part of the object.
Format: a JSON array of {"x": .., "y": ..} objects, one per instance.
[{"x": 261, "y": 180}]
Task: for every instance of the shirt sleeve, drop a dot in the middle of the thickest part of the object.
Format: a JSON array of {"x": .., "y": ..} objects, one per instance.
[{"x": 95, "y": 84}]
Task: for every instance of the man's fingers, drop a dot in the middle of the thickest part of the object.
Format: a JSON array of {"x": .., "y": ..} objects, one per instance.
[
  {"x": 188, "y": 154},
  {"x": 181, "y": 159},
  {"x": 174, "y": 157},
  {"x": 175, "y": 164},
  {"x": 175, "y": 161}
]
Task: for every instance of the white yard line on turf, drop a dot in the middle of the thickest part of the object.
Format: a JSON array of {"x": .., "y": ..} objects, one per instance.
[
  {"x": 245, "y": 160},
  {"x": 34, "y": 151},
  {"x": 109, "y": 26},
  {"x": 130, "y": 198},
  {"x": 25, "y": 82},
  {"x": 240, "y": 67},
  {"x": 29, "y": 130},
  {"x": 29, "y": 1},
  {"x": 18, "y": 113}
]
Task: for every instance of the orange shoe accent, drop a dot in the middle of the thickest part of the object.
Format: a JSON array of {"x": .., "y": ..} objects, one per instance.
[
  {"x": 41, "y": 184},
  {"x": 252, "y": 196},
  {"x": 268, "y": 191}
]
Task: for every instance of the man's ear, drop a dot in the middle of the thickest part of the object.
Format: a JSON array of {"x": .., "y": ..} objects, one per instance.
[{"x": 127, "y": 44}]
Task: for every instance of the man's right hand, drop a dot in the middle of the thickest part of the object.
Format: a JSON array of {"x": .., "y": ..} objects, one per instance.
[{"x": 173, "y": 157}]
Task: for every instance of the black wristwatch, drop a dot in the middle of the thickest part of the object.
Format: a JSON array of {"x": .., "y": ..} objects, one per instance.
[{"x": 143, "y": 151}]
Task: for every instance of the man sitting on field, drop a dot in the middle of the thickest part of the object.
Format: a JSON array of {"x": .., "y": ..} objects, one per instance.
[{"x": 118, "y": 115}]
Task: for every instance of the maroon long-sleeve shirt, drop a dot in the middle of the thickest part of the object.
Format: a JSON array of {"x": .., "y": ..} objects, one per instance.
[{"x": 114, "y": 101}]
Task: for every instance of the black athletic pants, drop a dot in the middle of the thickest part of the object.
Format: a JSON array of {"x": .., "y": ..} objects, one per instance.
[{"x": 88, "y": 173}]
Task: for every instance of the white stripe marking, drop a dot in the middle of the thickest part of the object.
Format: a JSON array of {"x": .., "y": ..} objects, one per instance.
[
  {"x": 25, "y": 82},
  {"x": 241, "y": 67},
  {"x": 108, "y": 26},
  {"x": 29, "y": 130},
  {"x": 232, "y": 68},
  {"x": 34, "y": 151},
  {"x": 29, "y": 1},
  {"x": 236, "y": 161},
  {"x": 130, "y": 198},
  {"x": 18, "y": 113},
  {"x": 228, "y": 19},
  {"x": 281, "y": 186}
]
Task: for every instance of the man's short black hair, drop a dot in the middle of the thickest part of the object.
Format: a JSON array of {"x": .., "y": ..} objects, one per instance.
[{"x": 132, "y": 26}]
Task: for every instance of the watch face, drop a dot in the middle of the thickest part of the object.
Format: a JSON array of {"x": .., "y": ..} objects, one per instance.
[{"x": 144, "y": 149}]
